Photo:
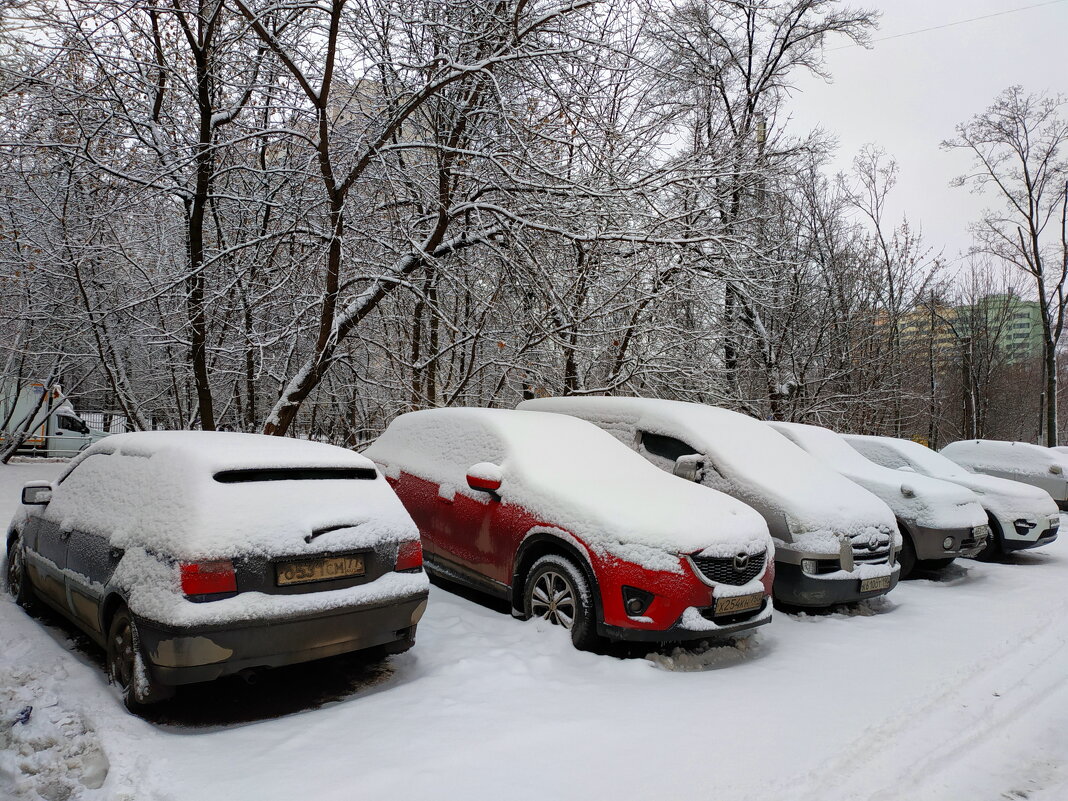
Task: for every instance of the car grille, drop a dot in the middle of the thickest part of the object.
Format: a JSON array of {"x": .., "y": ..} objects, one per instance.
[
  {"x": 864, "y": 554},
  {"x": 722, "y": 569}
]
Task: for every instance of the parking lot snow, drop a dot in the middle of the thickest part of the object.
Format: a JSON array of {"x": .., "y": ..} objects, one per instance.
[{"x": 945, "y": 689}]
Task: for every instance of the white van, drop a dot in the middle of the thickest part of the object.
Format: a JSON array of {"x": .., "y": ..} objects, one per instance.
[
  {"x": 1045, "y": 468},
  {"x": 1021, "y": 516},
  {"x": 939, "y": 521},
  {"x": 54, "y": 428},
  {"x": 834, "y": 542}
]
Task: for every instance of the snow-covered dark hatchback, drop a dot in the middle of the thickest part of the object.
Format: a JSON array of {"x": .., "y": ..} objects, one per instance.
[{"x": 193, "y": 555}]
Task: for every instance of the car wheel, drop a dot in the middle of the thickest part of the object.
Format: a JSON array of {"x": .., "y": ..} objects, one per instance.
[
  {"x": 126, "y": 664},
  {"x": 557, "y": 591},
  {"x": 907, "y": 557},
  {"x": 18, "y": 583},
  {"x": 993, "y": 550}
]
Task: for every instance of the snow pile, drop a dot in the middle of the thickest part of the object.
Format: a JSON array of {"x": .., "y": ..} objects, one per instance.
[
  {"x": 913, "y": 497},
  {"x": 157, "y": 490},
  {"x": 46, "y": 750},
  {"x": 570, "y": 474},
  {"x": 1008, "y": 500},
  {"x": 802, "y": 501}
]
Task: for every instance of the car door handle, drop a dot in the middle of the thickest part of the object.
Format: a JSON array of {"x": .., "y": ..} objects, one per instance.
[
  {"x": 116, "y": 553},
  {"x": 64, "y": 535}
]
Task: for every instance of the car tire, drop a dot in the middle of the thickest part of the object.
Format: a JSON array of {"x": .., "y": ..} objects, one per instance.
[
  {"x": 557, "y": 591},
  {"x": 994, "y": 549},
  {"x": 907, "y": 557},
  {"x": 126, "y": 664},
  {"x": 18, "y": 583}
]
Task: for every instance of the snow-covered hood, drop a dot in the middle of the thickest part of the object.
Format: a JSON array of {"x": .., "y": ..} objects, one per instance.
[
  {"x": 1006, "y": 498},
  {"x": 571, "y": 475},
  {"x": 158, "y": 491},
  {"x": 913, "y": 497},
  {"x": 799, "y": 497}
]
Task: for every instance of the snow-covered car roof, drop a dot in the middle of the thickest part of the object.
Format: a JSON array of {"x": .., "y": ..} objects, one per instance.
[
  {"x": 207, "y": 494},
  {"x": 763, "y": 467},
  {"x": 571, "y": 474},
  {"x": 928, "y": 501},
  {"x": 1015, "y": 457},
  {"x": 1018, "y": 496}
]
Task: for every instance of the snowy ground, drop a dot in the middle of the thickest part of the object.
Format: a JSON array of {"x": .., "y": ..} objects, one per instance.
[{"x": 951, "y": 689}]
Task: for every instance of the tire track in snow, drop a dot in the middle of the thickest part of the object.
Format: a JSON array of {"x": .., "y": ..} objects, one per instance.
[{"x": 900, "y": 757}]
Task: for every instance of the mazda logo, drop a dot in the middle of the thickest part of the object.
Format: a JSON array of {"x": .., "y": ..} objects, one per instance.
[{"x": 741, "y": 561}]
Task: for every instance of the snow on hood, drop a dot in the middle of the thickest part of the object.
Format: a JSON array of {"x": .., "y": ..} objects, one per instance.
[
  {"x": 156, "y": 490},
  {"x": 799, "y": 496},
  {"x": 913, "y": 497},
  {"x": 1004, "y": 497},
  {"x": 1021, "y": 458},
  {"x": 568, "y": 473}
]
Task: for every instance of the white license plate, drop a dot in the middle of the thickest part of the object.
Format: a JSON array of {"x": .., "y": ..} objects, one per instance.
[
  {"x": 873, "y": 584},
  {"x": 325, "y": 569},
  {"x": 737, "y": 604}
]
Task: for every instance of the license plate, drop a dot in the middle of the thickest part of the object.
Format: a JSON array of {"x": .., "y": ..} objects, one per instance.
[
  {"x": 872, "y": 584},
  {"x": 738, "y": 603},
  {"x": 325, "y": 569}
]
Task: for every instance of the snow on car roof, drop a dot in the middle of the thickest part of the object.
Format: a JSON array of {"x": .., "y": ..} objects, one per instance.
[
  {"x": 1021, "y": 457},
  {"x": 569, "y": 473},
  {"x": 158, "y": 490},
  {"x": 763, "y": 467},
  {"x": 930, "y": 462},
  {"x": 228, "y": 450}
]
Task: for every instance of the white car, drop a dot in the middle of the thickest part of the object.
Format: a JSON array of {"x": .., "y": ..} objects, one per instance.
[
  {"x": 1045, "y": 468},
  {"x": 834, "y": 541},
  {"x": 939, "y": 521},
  {"x": 189, "y": 555},
  {"x": 1021, "y": 516}
]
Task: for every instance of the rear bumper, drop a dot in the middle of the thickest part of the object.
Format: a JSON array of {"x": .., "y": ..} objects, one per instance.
[
  {"x": 930, "y": 542},
  {"x": 794, "y": 587},
  {"x": 203, "y": 653}
]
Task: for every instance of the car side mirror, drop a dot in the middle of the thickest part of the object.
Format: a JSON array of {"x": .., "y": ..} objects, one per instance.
[
  {"x": 484, "y": 477},
  {"x": 689, "y": 467},
  {"x": 37, "y": 493},
  {"x": 1056, "y": 469}
]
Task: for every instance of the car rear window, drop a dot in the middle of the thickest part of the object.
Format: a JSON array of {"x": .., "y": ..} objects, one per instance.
[{"x": 295, "y": 474}]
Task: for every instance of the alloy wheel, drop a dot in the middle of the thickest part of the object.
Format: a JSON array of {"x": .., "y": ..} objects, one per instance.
[{"x": 553, "y": 598}]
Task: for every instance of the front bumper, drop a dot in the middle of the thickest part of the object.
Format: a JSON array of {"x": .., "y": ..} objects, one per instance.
[
  {"x": 930, "y": 542},
  {"x": 707, "y": 628},
  {"x": 203, "y": 653},
  {"x": 794, "y": 587}
]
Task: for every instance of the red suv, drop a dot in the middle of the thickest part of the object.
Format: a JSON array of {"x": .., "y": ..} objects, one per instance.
[{"x": 566, "y": 523}]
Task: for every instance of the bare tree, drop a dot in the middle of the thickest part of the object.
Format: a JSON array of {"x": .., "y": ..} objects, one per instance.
[{"x": 1020, "y": 151}]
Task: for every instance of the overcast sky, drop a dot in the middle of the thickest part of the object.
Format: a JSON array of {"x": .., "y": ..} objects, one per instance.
[{"x": 907, "y": 94}]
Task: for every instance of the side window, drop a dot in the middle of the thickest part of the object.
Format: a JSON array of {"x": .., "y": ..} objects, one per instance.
[
  {"x": 666, "y": 447},
  {"x": 887, "y": 457}
]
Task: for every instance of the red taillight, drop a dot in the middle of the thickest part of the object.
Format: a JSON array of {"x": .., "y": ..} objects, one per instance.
[
  {"x": 410, "y": 556},
  {"x": 206, "y": 578}
]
